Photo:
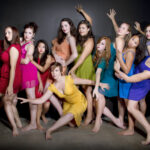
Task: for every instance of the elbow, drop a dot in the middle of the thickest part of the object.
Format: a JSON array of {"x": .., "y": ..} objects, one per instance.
[
  {"x": 126, "y": 71},
  {"x": 75, "y": 55}
]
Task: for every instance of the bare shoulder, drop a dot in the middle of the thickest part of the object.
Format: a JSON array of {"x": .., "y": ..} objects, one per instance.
[{"x": 90, "y": 41}]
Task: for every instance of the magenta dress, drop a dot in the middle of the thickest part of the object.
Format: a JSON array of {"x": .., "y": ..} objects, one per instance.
[{"x": 29, "y": 72}]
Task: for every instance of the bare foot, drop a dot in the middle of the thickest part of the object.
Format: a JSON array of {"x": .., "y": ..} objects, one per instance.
[
  {"x": 87, "y": 121},
  {"x": 29, "y": 127},
  {"x": 147, "y": 141},
  {"x": 15, "y": 132},
  {"x": 97, "y": 126},
  {"x": 71, "y": 124},
  {"x": 44, "y": 119},
  {"x": 119, "y": 124},
  {"x": 127, "y": 132},
  {"x": 48, "y": 135},
  {"x": 39, "y": 127}
]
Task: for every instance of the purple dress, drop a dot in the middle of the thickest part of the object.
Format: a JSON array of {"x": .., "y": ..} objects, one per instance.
[
  {"x": 140, "y": 89},
  {"x": 29, "y": 72}
]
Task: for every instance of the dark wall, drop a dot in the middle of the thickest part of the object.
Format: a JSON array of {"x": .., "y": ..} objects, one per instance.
[{"x": 48, "y": 13}]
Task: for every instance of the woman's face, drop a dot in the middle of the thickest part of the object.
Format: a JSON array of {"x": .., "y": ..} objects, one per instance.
[
  {"x": 41, "y": 48},
  {"x": 56, "y": 73},
  {"x": 8, "y": 34},
  {"x": 123, "y": 29},
  {"x": 65, "y": 27},
  {"x": 28, "y": 34},
  {"x": 101, "y": 46},
  {"x": 148, "y": 32},
  {"x": 133, "y": 42},
  {"x": 83, "y": 29}
]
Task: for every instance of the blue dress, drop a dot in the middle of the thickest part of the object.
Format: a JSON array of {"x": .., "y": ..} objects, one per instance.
[
  {"x": 140, "y": 89},
  {"x": 124, "y": 87},
  {"x": 107, "y": 75}
]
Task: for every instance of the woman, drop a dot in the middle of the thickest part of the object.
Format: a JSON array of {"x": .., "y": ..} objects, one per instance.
[
  {"x": 64, "y": 46},
  {"x": 104, "y": 62},
  {"x": 29, "y": 71},
  {"x": 10, "y": 76},
  {"x": 138, "y": 91},
  {"x": 123, "y": 34},
  {"x": 83, "y": 67},
  {"x": 74, "y": 103}
]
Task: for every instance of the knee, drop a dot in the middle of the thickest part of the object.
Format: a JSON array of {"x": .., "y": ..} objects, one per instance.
[{"x": 130, "y": 108}]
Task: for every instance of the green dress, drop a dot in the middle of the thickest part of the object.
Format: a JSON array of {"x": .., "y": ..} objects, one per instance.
[
  {"x": 107, "y": 75},
  {"x": 86, "y": 70}
]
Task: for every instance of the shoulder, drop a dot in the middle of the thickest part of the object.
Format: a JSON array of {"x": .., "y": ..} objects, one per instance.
[
  {"x": 90, "y": 41},
  {"x": 15, "y": 47},
  {"x": 54, "y": 41}
]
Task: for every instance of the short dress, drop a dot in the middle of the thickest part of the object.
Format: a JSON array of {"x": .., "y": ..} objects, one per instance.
[
  {"x": 107, "y": 75},
  {"x": 124, "y": 87},
  {"x": 74, "y": 101},
  {"x": 140, "y": 89},
  {"x": 5, "y": 70},
  {"x": 86, "y": 70},
  {"x": 29, "y": 71}
]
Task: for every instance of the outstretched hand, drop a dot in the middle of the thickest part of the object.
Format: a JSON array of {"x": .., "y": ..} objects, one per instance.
[
  {"x": 111, "y": 14},
  {"x": 79, "y": 8},
  {"x": 104, "y": 86},
  {"x": 24, "y": 100},
  {"x": 137, "y": 26}
]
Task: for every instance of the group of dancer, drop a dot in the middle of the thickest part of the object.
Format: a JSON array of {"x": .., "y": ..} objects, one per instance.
[{"x": 118, "y": 69}]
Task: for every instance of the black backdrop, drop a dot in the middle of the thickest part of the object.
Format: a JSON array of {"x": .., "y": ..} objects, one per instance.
[{"x": 48, "y": 13}]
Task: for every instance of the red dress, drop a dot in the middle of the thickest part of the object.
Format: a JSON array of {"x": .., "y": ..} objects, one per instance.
[
  {"x": 5, "y": 70},
  {"x": 44, "y": 76}
]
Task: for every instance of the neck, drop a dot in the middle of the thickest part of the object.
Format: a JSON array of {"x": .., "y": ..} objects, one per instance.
[
  {"x": 40, "y": 55},
  {"x": 58, "y": 79}
]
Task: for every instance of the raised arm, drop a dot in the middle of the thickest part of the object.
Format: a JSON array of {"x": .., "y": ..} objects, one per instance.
[
  {"x": 40, "y": 100},
  {"x": 49, "y": 60},
  {"x": 135, "y": 78},
  {"x": 74, "y": 53},
  {"x": 126, "y": 66},
  {"x": 14, "y": 54},
  {"x": 84, "y": 14},
  {"x": 30, "y": 51},
  {"x": 111, "y": 16},
  {"x": 137, "y": 27},
  {"x": 87, "y": 49}
]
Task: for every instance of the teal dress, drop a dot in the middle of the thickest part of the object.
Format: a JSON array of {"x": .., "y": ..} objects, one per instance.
[
  {"x": 107, "y": 75},
  {"x": 86, "y": 70}
]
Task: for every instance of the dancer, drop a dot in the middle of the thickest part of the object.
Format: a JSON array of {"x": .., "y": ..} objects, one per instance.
[
  {"x": 74, "y": 103},
  {"x": 10, "y": 76}
]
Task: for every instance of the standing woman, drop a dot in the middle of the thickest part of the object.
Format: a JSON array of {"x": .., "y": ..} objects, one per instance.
[
  {"x": 29, "y": 71},
  {"x": 10, "y": 76},
  {"x": 64, "y": 46},
  {"x": 83, "y": 67},
  {"x": 123, "y": 34}
]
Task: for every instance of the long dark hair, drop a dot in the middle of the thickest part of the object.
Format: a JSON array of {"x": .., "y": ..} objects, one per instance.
[
  {"x": 82, "y": 39},
  {"x": 61, "y": 35},
  {"x": 31, "y": 25},
  {"x": 44, "y": 55},
  {"x": 140, "y": 50},
  {"x": 15, "y": 38}
]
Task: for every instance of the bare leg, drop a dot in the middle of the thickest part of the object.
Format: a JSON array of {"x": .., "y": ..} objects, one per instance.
[
  {"x": 33, "y": 110},
  {"x": 15, "y": 111},
  {"x": 46, "y": 106},
  {"x": 39, "y": 112},
  {"x": 115, "y": 120},
  {"x": 59, "y": 123},
  {"x": 56, "y": 104},
  {"x": 133, "y": 109},
  {"x": 88, "y": 94},
  {"x": 10, "y": 114},
  {"x": 100, "y": 104},
  {"x": 143, "y": 106}
]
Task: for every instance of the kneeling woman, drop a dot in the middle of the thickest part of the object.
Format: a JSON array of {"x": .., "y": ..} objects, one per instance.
[{"x": 75, "y": 103}]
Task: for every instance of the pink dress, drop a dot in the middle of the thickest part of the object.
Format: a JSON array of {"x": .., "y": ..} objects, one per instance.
[{"x": 29, "y": 72}]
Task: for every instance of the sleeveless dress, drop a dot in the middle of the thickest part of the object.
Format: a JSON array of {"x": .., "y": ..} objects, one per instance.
[
  {"x": 124, "y": 87},
  {"x": 140, "y": 89},
  {"x": 44, "y": 76},
  {"x": 74, "y": 101},
  {"x": 29, "y": 72},
  {"x": 107, "y": 75},
  {"x": 86, "y": 70},
  {"x": 5, "y": 70}
]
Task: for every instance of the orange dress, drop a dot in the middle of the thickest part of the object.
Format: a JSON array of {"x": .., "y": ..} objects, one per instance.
[{"x": 63, "y": 50}]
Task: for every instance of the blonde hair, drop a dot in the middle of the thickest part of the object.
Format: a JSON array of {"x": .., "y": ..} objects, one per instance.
[{"x": 105, "y": 54}]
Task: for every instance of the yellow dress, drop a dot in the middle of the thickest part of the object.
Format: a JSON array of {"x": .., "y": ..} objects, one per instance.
[{"x": 75, "y": 102}]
